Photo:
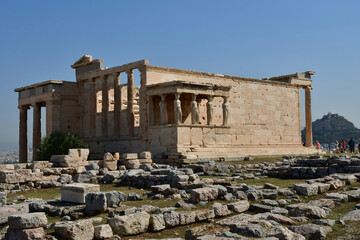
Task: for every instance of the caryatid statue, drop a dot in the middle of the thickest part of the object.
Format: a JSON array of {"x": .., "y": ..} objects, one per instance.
[
  {"x": 177, "y": 110},
  {"x": 194, "y": 110},
  {"x": 225, "y": 107},
  {"x": 163, "y": 110},
  {"x": 210, "y": 110}
]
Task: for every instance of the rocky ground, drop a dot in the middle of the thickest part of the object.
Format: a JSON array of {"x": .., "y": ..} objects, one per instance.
[{"x": 206, "y": 200}]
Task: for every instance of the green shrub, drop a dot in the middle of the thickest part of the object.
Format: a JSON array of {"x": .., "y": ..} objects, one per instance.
[{"x": 58, "y": 143}]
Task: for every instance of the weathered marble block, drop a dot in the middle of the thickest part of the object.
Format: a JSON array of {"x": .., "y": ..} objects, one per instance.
[
  {"x": 76, "y": 192},
  {"x": 129, "y": 156},
  {"x": 145, "y": 155}
]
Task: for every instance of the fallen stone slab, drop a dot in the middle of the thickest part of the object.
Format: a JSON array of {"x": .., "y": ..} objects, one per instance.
[
  {"x": 312, "y": 231},
  {"x": 103, "y": 231},
  {"x": 281, "y": 232},
  {"x": 95, "y": 203},
  {"x": 221, "y": 210},
  {"x": 328, "y": 203},
  {"x": 338, "y": 197},
  {"x": 322, "y": 187},
  {"x": 239, "y": 206},
  {"x": 335, "y": 184},
  {"x": 171, "y": 219},
  {"x": 204, "y": 215},
  {"x": 27, "y": 220},
  {"x": 301, "y": 209},
  {"x": 324, "y": 222},
  {"x": 114, "y": 198},
  {"x": 260, "y": 208},
  {"x": 204, "y": 194},
  {"x": 353, "y": 195},
  {"x": 20, "y": 176},
  {"x": 187, "y": 217},
  {"x": 130, "y": 224},
  {"x": 130, "y": 156},
  {"x": 82, "y": 229},
  {"x": 281, "y": 219},
  {"x": 351, "y": 216},
  {"x": 160, "y": 188},
  {"x": 25, "y": 234},
  {"x": 202, "y": 232},
  {"x": 10, "y": 210},
  {"x": 306, "y": 189},
  {"x": 250, "y": 230},
  {"x": 76, "y": 192},
  {"x": 157, "y": 222}
]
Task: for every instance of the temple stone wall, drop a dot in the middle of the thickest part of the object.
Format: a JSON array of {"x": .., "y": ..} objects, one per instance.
[
  {"x": 262, "y": 113},
  {"x": 173, "y": 111}
]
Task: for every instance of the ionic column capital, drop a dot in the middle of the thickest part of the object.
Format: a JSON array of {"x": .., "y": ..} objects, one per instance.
[
  {"x": 130, "y": 71},
  {"x": 177, "y": 96},
  {"x": 23, "y": 107},
  {"x": 163, "y": 97}
]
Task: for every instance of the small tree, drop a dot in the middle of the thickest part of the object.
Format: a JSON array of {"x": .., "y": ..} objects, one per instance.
[{"x": 58, "y": 143}]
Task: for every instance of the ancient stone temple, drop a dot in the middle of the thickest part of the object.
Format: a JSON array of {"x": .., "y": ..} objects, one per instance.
[{"x": 173, "y": 112}]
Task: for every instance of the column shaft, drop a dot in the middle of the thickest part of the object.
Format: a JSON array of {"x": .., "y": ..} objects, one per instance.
[
  {"x": 308, "y": 127},
  {"x": 23, "y": 149},
  {"x": 117, "y": 104},
  {"x": 36, "y": 130},
  {"x": 105, "y": 107},
  {"x": 130, "y": 102}
]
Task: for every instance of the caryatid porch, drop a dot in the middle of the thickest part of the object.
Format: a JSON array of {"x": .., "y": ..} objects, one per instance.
[{"x": 185, "y": 103}]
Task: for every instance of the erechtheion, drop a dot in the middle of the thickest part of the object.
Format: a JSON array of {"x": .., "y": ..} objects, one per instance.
[{"x": 172, "y": 113}]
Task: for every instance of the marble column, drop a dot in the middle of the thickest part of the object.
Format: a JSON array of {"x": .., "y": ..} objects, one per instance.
[
  {"x": 225, "y": 107},
  {"x": 194, "y": 110},
  {"x": 177, "y": 109},
  {"x": 92, "y": 105},
  {"x": 130, "y": 102},
  {"x": 23, "y": 149},
  {"x": 163, "y": 110},
  {"x": 105, "y": 107},
  {"x": 117, "y": 104},
  {"x": 36, "y": 129},
  {"x": 308, "y": 127},
  {"x": 209, "y": 110}
]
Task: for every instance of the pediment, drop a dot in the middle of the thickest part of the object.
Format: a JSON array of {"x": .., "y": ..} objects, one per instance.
[{"x": 84, "y": 60}]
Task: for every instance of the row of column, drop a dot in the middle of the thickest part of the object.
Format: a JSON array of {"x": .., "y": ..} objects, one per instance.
[
  {"x": 23, "y": 148},
  {"x": 194, "y": 109},
  {"x": 117, "y": 104}
]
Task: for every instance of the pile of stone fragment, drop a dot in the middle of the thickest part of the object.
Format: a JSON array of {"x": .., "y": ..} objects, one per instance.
[{"x": 315, "y": 166}]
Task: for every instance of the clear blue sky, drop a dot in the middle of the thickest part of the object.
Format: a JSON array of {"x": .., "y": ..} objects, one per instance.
[{"x": 39, "y": 40}]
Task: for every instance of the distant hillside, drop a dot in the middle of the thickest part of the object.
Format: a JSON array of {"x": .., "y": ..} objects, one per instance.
[{"x": 331, "y": 128}]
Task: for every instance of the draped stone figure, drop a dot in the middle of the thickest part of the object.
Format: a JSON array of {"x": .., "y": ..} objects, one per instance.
[
  {"x": 194, "y": 110},
  {"x": 163, "y": 110},
  {"x": 177, "y": 110},
  {"x": 210, "y": 110},
  {"x": 225, "y": 107}
]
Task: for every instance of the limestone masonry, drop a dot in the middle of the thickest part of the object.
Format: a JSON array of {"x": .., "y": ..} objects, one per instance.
[{"x": 173, "y": 113}]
